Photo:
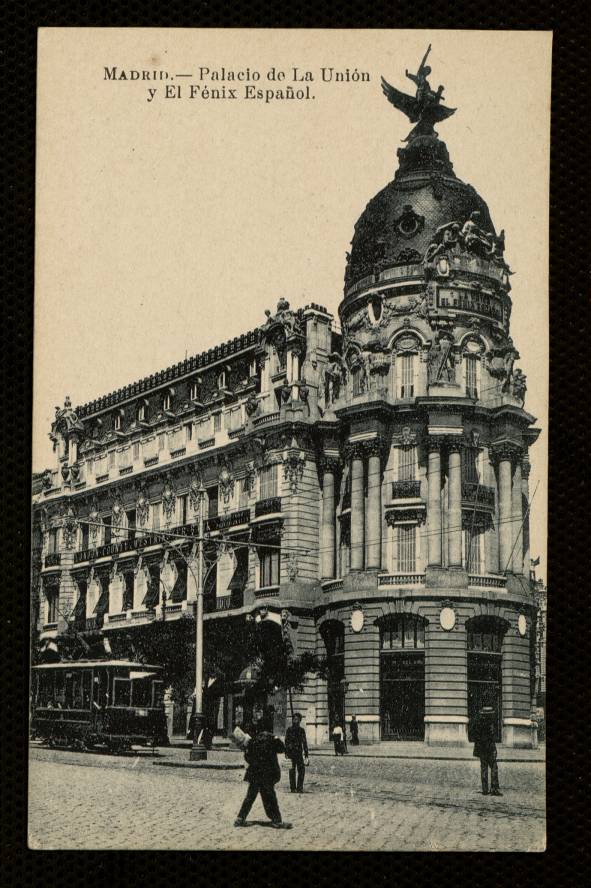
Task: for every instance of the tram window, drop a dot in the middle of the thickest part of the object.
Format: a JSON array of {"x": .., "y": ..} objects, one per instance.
[
  {"x": 122, "y": 692},
  {"x": 157, "y": 693}
]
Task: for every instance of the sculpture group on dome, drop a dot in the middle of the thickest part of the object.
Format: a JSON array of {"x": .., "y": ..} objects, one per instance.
[
  {"x": 470, "y": 238},
  {"x": 425, "y": 108}
]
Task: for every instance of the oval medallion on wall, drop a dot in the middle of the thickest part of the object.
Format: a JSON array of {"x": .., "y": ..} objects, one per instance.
[
  {"x": 521, "y": 624},
  {"x": 447, "y": 618},
  {"x": 357, "y": 619}
]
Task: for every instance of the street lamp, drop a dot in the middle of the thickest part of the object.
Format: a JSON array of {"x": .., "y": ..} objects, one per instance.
[{"x": 198, "y": 750}]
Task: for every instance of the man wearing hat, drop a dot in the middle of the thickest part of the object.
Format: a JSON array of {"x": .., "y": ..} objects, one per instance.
[{"x": 485, "y": 749}]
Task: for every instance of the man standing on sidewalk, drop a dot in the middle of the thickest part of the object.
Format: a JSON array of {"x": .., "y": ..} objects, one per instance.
[
  {"x": 262, "y": 774},
  {"x": 486, "y": 750},
  {"x": 296, "y": 750}
]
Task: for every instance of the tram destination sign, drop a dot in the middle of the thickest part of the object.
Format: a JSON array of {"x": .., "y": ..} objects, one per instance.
[{"x": 474, "y": 302}]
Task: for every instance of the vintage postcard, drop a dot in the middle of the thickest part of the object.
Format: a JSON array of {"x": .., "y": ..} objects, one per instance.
[{"x": 290, "y": 440}]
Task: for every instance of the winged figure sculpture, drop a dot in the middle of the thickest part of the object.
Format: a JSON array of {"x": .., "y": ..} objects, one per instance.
[{"x": 424, "y": 108}]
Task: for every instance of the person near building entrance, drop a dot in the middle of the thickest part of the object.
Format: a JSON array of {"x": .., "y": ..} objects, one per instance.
[
  {"x": 296, "y": 750},
  {"x": 354, "y": 728},
  {"x": 338, "y": 740},
  {"x": 485, "y": 749},
  {"x": 262, "y": 774}
]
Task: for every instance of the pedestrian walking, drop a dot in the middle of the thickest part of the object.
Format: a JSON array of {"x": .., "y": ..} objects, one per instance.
[
  {"x": 337, "y": 736},
  {"x": 296, "y": 750},
  {"x": 354, "y": 728},
  {"x": 262, "y": 774},
  {"x": 485, "y": 749}
]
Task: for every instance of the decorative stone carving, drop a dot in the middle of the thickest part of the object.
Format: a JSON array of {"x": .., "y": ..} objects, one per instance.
[
  {"x": 70, "y": 528},
  {"x": 398, "y": 516},
  {"x": 518, "y": 385},
  {"x": 294, "y": 460},
  {"x": 410, "y": 256},
  {"x": 116, "y": 512},
  {"x": 46, "y": 480},
  {"x": 292, "y": 567},
  {"x": 453, "y": 237},
  {"x": 94, "y": 519},
  {"x": 408, "y": 438},
  {"x": 335, "y": 378},
  {"x": 226, "y": 483},
  {"x": 441, "y": 360},
  {"x": 142, "y": 506},
  {"x": 425, "y": 109},
  {"x": 500, "y": 361},
  {"x": 168, "y": 500},
  {"x": 252, "y": 404}
]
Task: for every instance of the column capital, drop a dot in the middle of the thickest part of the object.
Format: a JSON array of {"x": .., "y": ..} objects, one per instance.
[
  {"x": 505, "y": 450},
  {"x": 354, "y": 450},
  {"x": 375, "y": 447},
  {"x": 330, "y": 464},
  {"x": 525, "y": 467}
]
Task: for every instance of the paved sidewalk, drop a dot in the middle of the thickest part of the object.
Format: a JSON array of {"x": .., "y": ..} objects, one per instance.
[{"x": 399, "y": 750}]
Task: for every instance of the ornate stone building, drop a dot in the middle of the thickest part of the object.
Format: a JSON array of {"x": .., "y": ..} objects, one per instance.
[{"x": 367, "y": 489}]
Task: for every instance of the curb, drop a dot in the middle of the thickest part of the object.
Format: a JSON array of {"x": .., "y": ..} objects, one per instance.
[{"x": 216, "y": 766}]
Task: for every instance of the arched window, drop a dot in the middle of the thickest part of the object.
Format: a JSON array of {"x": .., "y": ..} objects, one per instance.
[
  {"x": 471, "y": 375},
  {"x": 333, "y": 634},
  {"x": 406, "y": 375}
]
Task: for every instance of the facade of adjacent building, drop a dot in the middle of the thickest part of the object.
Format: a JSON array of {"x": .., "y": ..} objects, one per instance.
[{"x": 366, "y": 486}]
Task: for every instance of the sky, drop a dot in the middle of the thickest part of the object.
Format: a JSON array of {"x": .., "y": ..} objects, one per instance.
[{"x": 168, "y": 225}]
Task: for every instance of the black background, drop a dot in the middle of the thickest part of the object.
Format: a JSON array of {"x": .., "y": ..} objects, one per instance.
[{"x": 568, "y": 574}]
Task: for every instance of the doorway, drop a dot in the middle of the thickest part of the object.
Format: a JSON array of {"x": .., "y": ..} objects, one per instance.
[
  {"x": 402, "y": 678},
  {"x": 485, "y": 672}
]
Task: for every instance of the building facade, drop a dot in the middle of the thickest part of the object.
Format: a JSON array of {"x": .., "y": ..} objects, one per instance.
[{"x": 366, "y": 485}]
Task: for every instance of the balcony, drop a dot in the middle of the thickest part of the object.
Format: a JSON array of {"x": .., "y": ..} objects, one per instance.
[
  {"x": 224, "y": 522},
  {"x": 117, "y": 618},
  {"x": 94, "y": 623},
  {"x": 478, "y": 493},
  {"x": 267, "y": 419},
  {"x": 487, "y": 581},
  {"x": 267, "y": 592},
  {"x": 217, "y": 603},
  {"x": 53, "y": 559},
  {"x": 406, "y": 489},
  {"x": 402, "y": 579},
  {"x": 332, "y": 586},
  {"x": 151, "y": 461},
  {"x": 267, "y": 506},
  {"x": 180, "y": 451}
]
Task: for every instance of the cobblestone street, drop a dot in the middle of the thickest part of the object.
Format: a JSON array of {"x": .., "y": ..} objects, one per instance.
[{"x": 90, "y": 801}]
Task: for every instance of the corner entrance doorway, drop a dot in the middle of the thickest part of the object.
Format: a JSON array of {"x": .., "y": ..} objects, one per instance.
[
  {"x": 402, "y": 677},
  {"x": 485, "y": 673}
]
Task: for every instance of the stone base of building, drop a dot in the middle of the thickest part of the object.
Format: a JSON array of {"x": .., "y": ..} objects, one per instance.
[
  {"x": 446, "y": 730},
  {"x": 520, "y": 733}
]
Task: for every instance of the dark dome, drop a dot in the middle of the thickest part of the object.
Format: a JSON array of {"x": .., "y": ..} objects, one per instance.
[{"x": 399, "y": 223}]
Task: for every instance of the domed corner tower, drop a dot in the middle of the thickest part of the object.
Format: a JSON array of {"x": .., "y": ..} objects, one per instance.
[{"x": 431, "y": 517}]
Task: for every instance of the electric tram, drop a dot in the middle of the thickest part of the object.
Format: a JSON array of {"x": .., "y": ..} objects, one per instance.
[{"x": 98, "y": 704}]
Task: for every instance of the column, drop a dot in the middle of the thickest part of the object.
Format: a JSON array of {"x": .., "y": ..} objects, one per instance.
[
  {"x": 434, "y": 504},
  {"x": 357, "y": 509},
  {"x": 374, "y": 506},
  {"x": 327, "y": 536},
  {"x": 455, "y": 506},
  {"x": 505, "y": 509},
  {"x": 525, "y": 470},
  {"x": 517, "y": 510}
]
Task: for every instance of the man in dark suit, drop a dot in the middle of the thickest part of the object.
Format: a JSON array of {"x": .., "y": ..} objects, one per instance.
[
  {"x": 262, "y": 774},
  {"x": 296, "y": 750},
  {"x": 485, "y": 749}
]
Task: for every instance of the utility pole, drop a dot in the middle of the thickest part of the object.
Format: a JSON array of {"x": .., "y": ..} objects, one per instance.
[{"x": 198, "y": 750}]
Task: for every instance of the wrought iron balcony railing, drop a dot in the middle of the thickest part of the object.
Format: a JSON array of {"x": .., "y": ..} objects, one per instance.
[
  {"x": 215, "y": 603},
  {"x": 52, "y": 559},
  {"x": 406, "y": 489},
  {"x": 472, "y": 492},
  {"x": 267, "y": 506},
  {"x": 223, "y": 522}
]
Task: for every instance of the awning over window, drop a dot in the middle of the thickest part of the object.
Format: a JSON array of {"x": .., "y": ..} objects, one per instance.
[{"x": 102, "y": 605}]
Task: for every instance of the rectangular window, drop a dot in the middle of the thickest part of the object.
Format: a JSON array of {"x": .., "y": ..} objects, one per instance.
[
  {"x": 52, "y": 611},
  {"x": 161, "y": 442},
  {"x": 136, "y": 451},
  {"x": 406, "y": 463},
  {"x": 52, "y": 543},
  {"x": 406, "y": 548},
  {"x": 268, "y": 482},
  {"x": 189, "y": 432},
  {"x": 117, "y": 423},
  {"x": 470, "y": 465},
  {"x": 107, "y": 529},
  {"x": 128, "y": 591},
  {"x": 358, "y": 381},
  {"x": 166, "y": 402},
  {"x": 156, "y": 516},
  {"x": 472, "y": 550},
  {"x": 183, "y": 500},
  {"x": 217, "y": 422},
  {"x": 269, "y": 567},
  {"x": 85, "y": 535},
  {"x": 141, "y": 413},
  {"x": 194, "y": 391},
  {"x": 122, "y": 692},
  {"x": 407, "y": 376},
  {"x": 244, "y": 493},
  {"x": 212, "y": 502},
  {"x": 131, "y": 518},
  {"x": 472, "y": 376},
  {"x": 112, "y": 459}
]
